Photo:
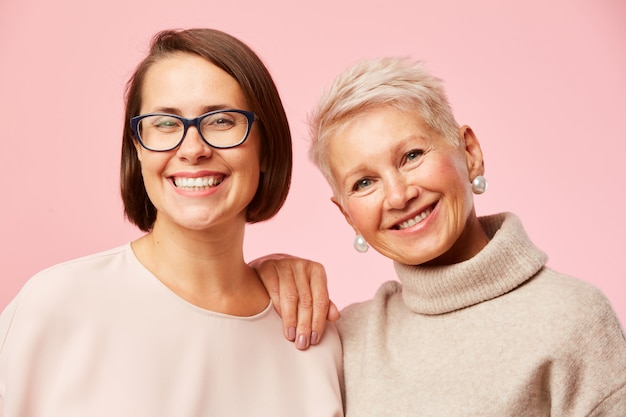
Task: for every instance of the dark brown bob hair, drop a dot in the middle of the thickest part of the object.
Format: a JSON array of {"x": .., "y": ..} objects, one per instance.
[{"x": 242, "y": 63}]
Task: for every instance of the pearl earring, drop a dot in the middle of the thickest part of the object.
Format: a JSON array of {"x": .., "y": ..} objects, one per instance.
[
  {"x": 479, "y": 184},
  {"x": 360, "y": 244}
]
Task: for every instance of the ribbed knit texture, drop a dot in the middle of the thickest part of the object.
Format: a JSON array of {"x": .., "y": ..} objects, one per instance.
[
  {"x": 509, "y": 260},
  {"x": 497, "y": 335}
]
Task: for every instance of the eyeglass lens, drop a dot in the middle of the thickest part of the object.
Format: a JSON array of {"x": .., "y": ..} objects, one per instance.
[{"x": 223, "y": 129}]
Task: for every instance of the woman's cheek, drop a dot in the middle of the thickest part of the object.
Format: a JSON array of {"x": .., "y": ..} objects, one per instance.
[{"x": 364, "y": 212}]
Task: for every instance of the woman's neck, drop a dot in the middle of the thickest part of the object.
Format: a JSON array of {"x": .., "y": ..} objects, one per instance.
[
  {"x": 205, "y": 268},
  {"x": 471, "y": 241}
]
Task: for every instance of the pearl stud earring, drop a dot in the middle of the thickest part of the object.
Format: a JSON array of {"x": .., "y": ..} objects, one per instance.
[
  {"x": 360, "y": 244},
  {"x": 479, "y": 184}
]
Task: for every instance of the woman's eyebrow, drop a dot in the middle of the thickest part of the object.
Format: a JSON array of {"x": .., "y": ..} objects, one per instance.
[{"x": 205, "y": 109}]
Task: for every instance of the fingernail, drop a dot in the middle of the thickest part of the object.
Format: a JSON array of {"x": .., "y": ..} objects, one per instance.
[
  {"x": 301, "y": 344},
  {"x": 313, "y": 338},
  {"x": 291, "y": 333}
]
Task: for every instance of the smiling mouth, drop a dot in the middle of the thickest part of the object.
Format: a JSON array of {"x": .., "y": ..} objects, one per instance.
[
  {"x": 415, "y": 220},
  {"x": 198, "y": 184}
]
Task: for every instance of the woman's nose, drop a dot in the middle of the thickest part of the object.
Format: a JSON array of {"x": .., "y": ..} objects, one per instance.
[
  {"x": 399, "y": 191},
  {"x": 194, "y": 148}
]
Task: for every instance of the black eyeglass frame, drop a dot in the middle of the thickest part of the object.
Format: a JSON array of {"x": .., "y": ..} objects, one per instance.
[{"x": 134, "y": 124}]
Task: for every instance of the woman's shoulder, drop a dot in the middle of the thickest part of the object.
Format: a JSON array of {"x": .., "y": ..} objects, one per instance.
[
  {"x": 580, "y": 308},
  {"x": 80, "y": 266},
  {"x": 361, "y": 313},
  {"x": 84, "y": 262},
  {"x": 576, "y": 323},
  {"x": 59, "y": 288},
  {"x": 563, "y": 291},
  {"x": 59, "y": 280}
]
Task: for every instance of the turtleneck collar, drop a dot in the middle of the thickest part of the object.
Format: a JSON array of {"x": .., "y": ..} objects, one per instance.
[{"x": 508, "y": 260}]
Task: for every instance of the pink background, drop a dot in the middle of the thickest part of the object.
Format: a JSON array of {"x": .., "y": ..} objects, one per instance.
[{"x": 542, "y": 83}]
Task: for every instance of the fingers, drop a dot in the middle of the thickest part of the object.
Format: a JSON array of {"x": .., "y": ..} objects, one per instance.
[
  {"x": 304, "y": 306},
  {"x": 304, "y": 300},
  {"x": 288, "y": 302},
  {"x": 281, "y": 287},
  {"x": 298, "y": 288},
  {"x": 320, "y": 301}
]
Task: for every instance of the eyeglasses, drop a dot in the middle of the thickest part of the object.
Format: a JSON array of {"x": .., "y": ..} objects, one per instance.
[{"x": 161, "y": 132}]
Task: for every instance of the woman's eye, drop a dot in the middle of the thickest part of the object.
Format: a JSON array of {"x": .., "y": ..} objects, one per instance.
[
  {"x": 220, "y": 121},
  {"x": 414, "y": 154},
  {"x": 361, "y": 184},
  {"x": 223, "y": 122},
  {"x": 166, "y": 123}
]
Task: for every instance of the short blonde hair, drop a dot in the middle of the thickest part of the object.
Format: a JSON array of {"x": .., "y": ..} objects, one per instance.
[{"x": 390, "y": 81}]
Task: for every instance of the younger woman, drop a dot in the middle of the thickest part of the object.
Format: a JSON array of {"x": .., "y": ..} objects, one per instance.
[{"x": 175, "y": 323}]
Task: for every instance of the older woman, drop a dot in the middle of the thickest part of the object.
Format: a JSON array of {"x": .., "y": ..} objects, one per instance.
[
  {"x": 175, "y": 323},
  {"x": 477, "y": 325}
]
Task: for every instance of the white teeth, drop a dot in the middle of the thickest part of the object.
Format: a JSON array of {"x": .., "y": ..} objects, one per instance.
[
  {"x": 415, "y": 220},
  {"x": 196, "y": 184}
]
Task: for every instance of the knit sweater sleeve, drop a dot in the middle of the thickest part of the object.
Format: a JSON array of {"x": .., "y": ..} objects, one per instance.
[
  {"x": 613, "y": 406},
  {"x": 590, "y": 379}
]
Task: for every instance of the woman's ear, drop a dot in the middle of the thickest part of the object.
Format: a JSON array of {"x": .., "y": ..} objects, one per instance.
[
  {"x": 473, "y": 152},
  {"x": 337, "y": 203}
]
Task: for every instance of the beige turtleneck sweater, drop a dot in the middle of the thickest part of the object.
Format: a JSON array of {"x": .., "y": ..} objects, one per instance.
[{"x": 497, "y": 335}]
